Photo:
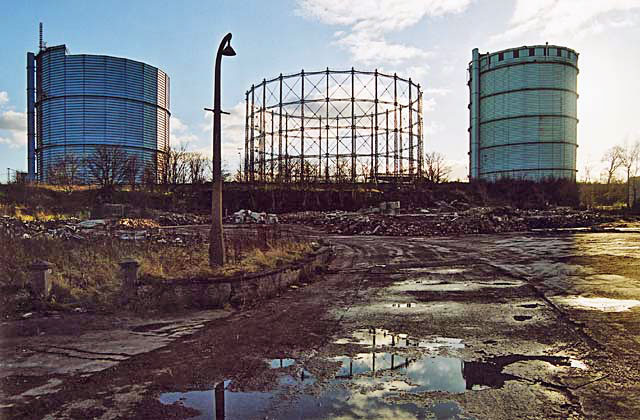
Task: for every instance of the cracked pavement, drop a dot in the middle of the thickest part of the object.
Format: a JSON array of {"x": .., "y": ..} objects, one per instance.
[{"x": 530, "y": 326}]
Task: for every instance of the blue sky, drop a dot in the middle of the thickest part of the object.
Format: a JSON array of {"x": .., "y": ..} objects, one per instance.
[{"x": 428, "y": 40}]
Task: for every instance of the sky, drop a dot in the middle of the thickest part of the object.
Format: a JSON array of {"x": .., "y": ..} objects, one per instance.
[{"x": 427, "y": 40}]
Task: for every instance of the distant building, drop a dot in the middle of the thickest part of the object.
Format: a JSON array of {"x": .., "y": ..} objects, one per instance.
[
  {"x": 78, "y": 103},
  {"x": 523, "y": 118}
]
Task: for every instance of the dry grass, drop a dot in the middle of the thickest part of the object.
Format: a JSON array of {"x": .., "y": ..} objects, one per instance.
[
  {"x": 87, "y": 273},
  {"x": 38, "y": 214}
]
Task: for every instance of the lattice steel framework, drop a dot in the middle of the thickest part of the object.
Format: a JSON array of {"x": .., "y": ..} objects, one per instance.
[{"x": 333, "y": 126}]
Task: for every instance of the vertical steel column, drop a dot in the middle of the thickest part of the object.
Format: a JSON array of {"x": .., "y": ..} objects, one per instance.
[
  {"x": 474, "y": 116},
  {"x": 420, "y": 141},
  {"x": 410, "y": 130},
  {"x": 320, "y": 147},
  {"x": 375, "y": 105},
  {"x": 371, "y": 169},
  {"x": 326, "y": 170},
  {"x": 253, "y": 129},
  {"x": 386, "y": 143},
  {"x": 353, "y": 127},
  {"x": 272, "y": 160},
  {"x": 263, "y": 134},
  {"x": 401, "y": 144},
  {"x": 338, "y": 169},
  {"x": 280, "y": 132},
  {"x": 302, "y": 128},
  {"x": 246, "y": 137},
  {"x": 395, "y": 125},
  {"x": 31, "y": 118},
  {"x": 287, "y": 169}
]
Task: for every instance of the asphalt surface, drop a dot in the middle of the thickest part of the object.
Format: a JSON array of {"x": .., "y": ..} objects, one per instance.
[{"x": 527, "y": 326}]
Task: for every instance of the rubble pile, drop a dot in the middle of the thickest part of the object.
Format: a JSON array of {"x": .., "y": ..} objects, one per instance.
[
  {"x": 447, "y": 219},
  {"x": 248, "y": 216},
  {"x": 180, "y": 219},
  {"x": 137, "y": 224},
  {"x": 123, "y": 229},
  {"x": 16, "y": 228}
]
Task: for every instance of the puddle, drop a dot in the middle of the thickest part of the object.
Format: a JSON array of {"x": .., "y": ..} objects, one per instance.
[
  {"x": 437, "y": 270},
  {"x": 280, "y": 363},
  {"x": 221, "y": 403},
  {"x": 380, "y": 337},
  {"x": 529, "y": 305},
  {"x": 448, "y": 410},
  {"x": 360, "y": 390},
  {"x": 599, "y": 303},
  {"x": 436, "y": 285},
  {"x": 301, "y": 379},
  {"x": 522, "y": 317},
  {"x": 402, "y": 305},
  {"x": 578, "y": 364},
  {"x": 151, "y": 327},
  {"x": 337, "y": 401}
]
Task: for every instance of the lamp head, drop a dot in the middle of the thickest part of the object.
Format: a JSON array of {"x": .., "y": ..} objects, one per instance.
[{"x": 228, "y": 50}]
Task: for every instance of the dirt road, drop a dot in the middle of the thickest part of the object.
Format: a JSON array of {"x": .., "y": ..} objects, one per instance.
[{"x": 508, "y": 326}]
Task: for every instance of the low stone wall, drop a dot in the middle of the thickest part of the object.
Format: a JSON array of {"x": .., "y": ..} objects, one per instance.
[{"x": 209, "y": 293}]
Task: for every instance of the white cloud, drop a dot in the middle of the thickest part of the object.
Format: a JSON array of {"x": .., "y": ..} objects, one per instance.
[
  {"x": 13, "y": 125},
  {"x": 429, "y": 104},
  {"x": 432, "y": 127},
  {"x": 377, "y": 15},
  {"x": 459, "y": 169},
  {"x": 181, "y": 134},
  {"x": 200, "y": 140},
  {"x": 12, "y": 120},
  {"x": 371, "y": 48},
  {"x": 417, "y": 73},
  {"x": 568, "y": 18},
  {"x": 437, "y": 91},
  {"x": 233, "y": 134},
  {"x": 367, "y": 22}
]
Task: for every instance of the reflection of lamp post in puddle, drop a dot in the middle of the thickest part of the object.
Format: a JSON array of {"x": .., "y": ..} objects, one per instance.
[{"x": 218, "y": 393}]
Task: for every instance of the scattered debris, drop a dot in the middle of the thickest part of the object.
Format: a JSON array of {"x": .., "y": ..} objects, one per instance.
[
  {"x": 454, "y": 218},
  {"x": 248, "y": 216},
  {"x": 89, "y": 224}
]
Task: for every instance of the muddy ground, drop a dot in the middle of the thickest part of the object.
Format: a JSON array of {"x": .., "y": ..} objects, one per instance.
[{"x": 520, "y": 325}]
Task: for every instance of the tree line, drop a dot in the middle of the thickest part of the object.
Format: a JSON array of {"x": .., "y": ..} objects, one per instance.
[
  {"x": 622, "y": 167},
  {"x": 112, "y": 165}
]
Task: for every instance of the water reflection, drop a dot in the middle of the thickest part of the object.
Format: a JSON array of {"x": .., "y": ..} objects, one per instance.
[
  {"x": 366, "y": 386},
  {"x": 598, "y": 303},
  {"x": 337, "y": 401},
  {"x": 426, "y": 374},
  {"x": 280, "y": 363},
  {"x": 221, "y": 403},
  {"x": 380, "y": 337}
]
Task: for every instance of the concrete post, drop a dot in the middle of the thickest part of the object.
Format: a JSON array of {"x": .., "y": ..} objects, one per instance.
[
  {"x": 41, "y": 278},
  {"x": 129, "y": 273}
]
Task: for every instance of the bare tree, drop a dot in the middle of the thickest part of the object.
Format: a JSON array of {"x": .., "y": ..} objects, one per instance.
[
  {"x": 342, "y": 170},
  {"x": 107, "y": 165},
  {"x": 587, "y": 172},
  {"x": 436, "y": 169},
  {"x": 197, "y": 165},
  {"x": 174, "y": 168},
  {"x": 149, "y": 175},
  {"x": 132, "y": 170},
  {"x": 613, "y": 159},
  {"x": 65, "y": 172},
  {"x": 629, "y": 160}
]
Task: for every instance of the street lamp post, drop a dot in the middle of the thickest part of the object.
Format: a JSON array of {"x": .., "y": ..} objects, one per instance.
[{"x": 216, "y": 241}]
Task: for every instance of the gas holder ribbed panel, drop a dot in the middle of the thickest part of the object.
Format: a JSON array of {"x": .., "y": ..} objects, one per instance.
[
  {"x": 87, "y": 101},
  {"x": 523, "y": 115}
]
